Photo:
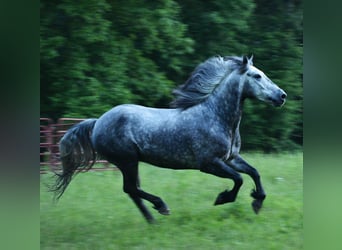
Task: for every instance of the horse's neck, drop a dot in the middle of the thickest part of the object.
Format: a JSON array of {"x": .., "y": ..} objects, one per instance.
[{"x": 227, "y": 103}]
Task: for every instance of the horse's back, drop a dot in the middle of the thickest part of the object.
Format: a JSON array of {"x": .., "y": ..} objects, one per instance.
[
  {"x": 115, "y": 132},
  {"x": 127, "y": 115}
]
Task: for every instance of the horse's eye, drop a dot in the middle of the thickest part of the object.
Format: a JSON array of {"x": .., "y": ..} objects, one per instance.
[{"x": 257, "y": 76}]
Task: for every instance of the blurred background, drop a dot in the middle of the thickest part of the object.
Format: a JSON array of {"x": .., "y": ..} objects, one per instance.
[{"x": 98, "y": 54}]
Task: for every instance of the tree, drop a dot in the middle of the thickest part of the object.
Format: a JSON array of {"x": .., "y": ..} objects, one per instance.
[
  {"x": 71, "y": 74},
  {"x": 98, "y": 54},
  {"x": 159, "y": 46},
  {"x": 217, "y": 27}
]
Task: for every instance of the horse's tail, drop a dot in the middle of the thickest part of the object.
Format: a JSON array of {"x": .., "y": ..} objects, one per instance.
[{"x": 76, "y": 152}]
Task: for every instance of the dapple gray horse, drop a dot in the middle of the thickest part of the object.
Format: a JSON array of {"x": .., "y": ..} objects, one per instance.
[{"x": 200, "y": 131}]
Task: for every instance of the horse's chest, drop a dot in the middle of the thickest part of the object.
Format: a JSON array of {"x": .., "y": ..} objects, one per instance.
[{"x": 232, "y": 145}]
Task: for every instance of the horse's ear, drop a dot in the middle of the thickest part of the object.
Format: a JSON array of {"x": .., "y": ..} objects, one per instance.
[
  {"x": 245, "y": 60},
  {"x": 251, "y": 59}
]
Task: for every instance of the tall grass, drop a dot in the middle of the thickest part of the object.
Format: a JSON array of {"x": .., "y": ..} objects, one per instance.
[{"x": 94, "y": 213}]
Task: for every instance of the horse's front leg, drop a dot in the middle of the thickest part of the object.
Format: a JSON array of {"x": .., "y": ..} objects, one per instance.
[
  {"x": 220, "y": 169},
  {"x": 258, "y": 193}
]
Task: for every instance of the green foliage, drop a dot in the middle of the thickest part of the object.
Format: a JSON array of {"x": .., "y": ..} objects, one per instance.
[
  {"x": 94, "y": 212},
  {"x": 217, "y": 27},
  {"x": 68, "y": 79},
  {"x": 98, "y": 54}
]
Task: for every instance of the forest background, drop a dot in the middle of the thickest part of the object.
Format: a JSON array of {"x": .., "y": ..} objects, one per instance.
[{"x": 98, "y": 54}]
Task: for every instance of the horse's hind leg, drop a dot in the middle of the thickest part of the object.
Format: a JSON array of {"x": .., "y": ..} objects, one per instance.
[
  {"x": 130, "y": 180},
  {"x": 258, "y": 194},
  {"x": 158, "y": 203},
  {"x": 131, "y": 186}
]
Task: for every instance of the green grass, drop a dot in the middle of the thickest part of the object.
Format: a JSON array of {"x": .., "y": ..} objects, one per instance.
[{"x": 94, "y": 213}]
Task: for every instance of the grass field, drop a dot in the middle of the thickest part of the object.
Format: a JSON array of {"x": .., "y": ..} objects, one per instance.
[{"x": 95, "y": 213}]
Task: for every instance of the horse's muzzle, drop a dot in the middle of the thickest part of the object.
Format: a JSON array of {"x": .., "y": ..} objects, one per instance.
[{"x": 279, "y": 98}]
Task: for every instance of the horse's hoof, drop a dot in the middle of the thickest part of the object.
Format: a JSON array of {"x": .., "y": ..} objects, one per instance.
[
  {"x": 225, "y": 197},
  {"x": 164, "y": 210},
  {"x": 256, "y": 205},
  {"x": 258, "y": 196},
  {"x": 219, "y": 200},
  {"x": 150, "y": 219}
]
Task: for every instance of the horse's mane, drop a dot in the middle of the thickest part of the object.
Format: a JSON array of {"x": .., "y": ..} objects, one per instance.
[{"x": 204, "y": 79}]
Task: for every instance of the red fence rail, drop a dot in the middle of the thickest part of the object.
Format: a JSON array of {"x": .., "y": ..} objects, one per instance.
[{"x": 50, "y": 135}]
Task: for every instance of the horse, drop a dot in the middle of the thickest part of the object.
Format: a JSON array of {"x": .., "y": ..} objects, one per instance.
[{"x": 200, "y": 130}]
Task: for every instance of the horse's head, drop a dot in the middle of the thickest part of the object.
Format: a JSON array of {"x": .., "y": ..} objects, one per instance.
[{"x": 258, "y": 85}]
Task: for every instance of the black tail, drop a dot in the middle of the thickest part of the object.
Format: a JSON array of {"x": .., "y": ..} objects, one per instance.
[{"x": 76, "y": 152}]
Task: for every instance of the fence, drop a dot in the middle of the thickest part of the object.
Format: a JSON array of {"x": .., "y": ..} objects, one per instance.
[{"x": 50, "y": 135}]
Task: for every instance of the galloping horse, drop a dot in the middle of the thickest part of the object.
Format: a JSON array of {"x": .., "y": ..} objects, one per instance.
[{"x": 200, "y": 131}]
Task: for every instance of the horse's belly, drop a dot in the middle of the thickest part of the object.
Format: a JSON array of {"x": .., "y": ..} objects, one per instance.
[{"x": 170, "y": 160}]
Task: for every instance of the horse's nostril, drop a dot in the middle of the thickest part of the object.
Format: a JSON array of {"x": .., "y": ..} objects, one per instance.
[{"x": 283, "y": 96}]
